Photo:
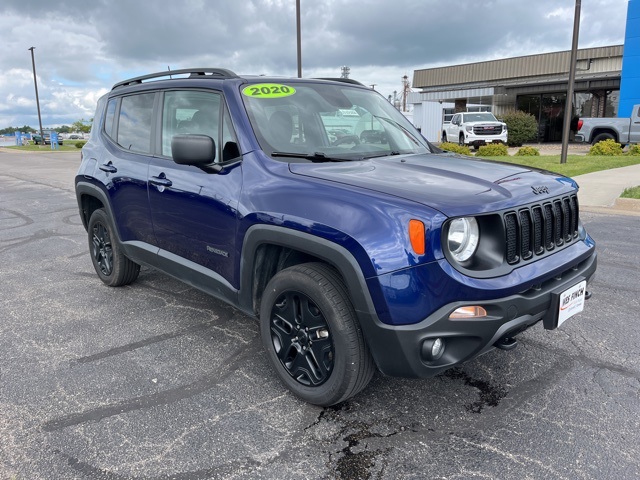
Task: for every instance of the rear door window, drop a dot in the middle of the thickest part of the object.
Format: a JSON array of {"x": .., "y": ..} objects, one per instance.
[{"x": 134, "y": 125}]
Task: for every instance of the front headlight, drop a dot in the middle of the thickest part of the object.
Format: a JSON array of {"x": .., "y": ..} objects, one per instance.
[
  {"x": 463, "y": 237},
  {"x": 469, "y": 128}
]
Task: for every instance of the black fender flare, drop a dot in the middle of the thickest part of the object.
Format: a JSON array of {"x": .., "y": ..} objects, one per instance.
[
  {"x": 88, "y": 188},
  {"x": 335, "y": 255}
]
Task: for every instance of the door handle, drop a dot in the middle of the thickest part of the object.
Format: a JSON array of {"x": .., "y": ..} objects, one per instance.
[
  {"x": 161, "y": 181},
  {"x": 108, "y": 167}
]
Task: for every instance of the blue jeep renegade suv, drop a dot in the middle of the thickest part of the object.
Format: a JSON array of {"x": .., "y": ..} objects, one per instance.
[{"x": 356, "y": 243}]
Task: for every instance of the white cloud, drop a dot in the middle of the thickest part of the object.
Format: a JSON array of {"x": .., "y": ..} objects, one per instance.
[{"x": 83, "y": 48}]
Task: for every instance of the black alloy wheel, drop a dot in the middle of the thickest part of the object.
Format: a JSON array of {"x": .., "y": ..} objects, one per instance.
[
  {"x": 301, "y": 338},
  {"x": 111, "y": 265},
  {"x": 102, "y": 251},
  {"x": 312, "y": 336}
]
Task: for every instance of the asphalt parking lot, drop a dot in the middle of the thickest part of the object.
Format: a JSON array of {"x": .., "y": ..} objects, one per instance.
[{"x": 159, "y": 381}]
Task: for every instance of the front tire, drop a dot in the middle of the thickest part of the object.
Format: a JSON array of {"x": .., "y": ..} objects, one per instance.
[
  {"x": 461, "y": 140},
  {"x": 111, "y": 265},
  {"x": 444, "y": 137},
  {"x": 312, "y": 336}
]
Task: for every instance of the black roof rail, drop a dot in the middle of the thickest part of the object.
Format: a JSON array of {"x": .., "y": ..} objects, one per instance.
[
  {"x": 193, "y": 73},
  {"x": 343, "y": 80}
]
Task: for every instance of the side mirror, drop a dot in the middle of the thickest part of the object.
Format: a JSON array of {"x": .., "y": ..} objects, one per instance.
[{"x": 196, "y": 150}]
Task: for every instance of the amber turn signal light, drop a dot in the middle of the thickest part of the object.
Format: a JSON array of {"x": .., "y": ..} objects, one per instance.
[{"x": 417, "y": 236}]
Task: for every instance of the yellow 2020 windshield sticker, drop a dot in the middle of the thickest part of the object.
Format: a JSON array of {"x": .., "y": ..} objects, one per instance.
[{"x": 268, "y": 90}]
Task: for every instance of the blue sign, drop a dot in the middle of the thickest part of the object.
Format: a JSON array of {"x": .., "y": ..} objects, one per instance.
[
  {"x": 54, "y": 140},
  {"x": 18, "y": 138},
  {"x": 629, "y": 91}
]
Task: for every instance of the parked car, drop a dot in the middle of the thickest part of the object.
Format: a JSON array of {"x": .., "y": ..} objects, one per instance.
[
  {"x": 475, "y": 129},
  {"x": 373, "y": 136},
  {"x": 622, "y": 130},
  {"x": 353, "y": 256},
  {"x": 47, "y": 138}
]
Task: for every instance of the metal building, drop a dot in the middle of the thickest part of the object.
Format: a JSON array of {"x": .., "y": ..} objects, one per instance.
[{"x": 535, "y": 83}]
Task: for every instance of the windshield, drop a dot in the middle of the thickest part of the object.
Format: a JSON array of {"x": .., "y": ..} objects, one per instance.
[
  {"x": 479, "y": 117},
  {"x": 321, "y": 121}
]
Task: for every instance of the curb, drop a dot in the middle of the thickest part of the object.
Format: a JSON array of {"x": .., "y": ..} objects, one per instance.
[
  {"x": 630, "y": 204},
  {"x": 628, "y": 207}
]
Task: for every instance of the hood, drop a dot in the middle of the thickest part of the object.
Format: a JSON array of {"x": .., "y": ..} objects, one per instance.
[
  {"x": 453, "y": 184},
  {"x": 486, "y": 122}
]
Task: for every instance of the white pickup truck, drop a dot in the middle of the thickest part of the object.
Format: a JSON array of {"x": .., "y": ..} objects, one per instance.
[
  {"x": 622, "y": 130},
  {"x": 474, "y": 128}
]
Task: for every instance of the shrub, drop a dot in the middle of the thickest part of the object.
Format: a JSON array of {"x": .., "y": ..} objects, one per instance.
[
  {"x": 492, "y": 150},
  {"x": 607, "y": 147},
  {"x": 80, "y": 144},
  {"x": 455, "y": 148},
  {"x": 634, "y": 150},
  {"x": 528, "y": 152},
  {"x": 521, "y": 127}
]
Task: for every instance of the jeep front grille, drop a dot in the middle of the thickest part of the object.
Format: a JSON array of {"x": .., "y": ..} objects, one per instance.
[{"x": 540, "y": 228}]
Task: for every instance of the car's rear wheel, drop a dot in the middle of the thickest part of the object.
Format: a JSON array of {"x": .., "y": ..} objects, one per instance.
[
  {"x": 312, "y": 336},
  {"x": 111, "y": 265},
  {"x": 602, "y": 136},
  {"x": 444, "y": 137}
]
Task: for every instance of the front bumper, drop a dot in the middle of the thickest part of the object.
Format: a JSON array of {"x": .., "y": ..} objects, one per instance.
[
  {"x": 472, "y": 138},
  {"x": 397, "y": 349}
]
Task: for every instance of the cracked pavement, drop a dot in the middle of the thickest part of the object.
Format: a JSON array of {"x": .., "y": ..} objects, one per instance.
[{"x": 159, "y": 381}]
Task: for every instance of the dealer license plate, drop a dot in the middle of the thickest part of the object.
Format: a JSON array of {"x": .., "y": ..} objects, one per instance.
[{"x": 571, "y": 302}]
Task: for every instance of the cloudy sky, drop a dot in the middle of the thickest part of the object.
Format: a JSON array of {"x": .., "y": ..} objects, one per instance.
[{"x": 84, "y": 46}]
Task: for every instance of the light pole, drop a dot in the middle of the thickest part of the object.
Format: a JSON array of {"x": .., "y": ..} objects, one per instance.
[
  {"x": 299, "y": 40},
  {"x": 568, "y": 109},
  {"x": 35, "y": 82}
]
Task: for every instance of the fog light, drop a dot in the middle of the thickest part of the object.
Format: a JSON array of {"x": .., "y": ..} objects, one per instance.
[
  {"x": 432, "y": 349},
  {"x": 465, "y": 313}
]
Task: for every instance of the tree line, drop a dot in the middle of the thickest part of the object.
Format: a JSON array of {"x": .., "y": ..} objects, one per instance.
[{"x": 79, "y": 126}]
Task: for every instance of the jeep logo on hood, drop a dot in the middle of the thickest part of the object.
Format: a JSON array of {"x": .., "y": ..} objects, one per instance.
[{"x": 539, "y": 190}]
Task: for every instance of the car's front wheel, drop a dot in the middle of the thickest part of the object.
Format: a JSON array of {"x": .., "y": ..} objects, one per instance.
[
  {"x": 312, "y": 336},
  {"x": 111, "y": 265}
]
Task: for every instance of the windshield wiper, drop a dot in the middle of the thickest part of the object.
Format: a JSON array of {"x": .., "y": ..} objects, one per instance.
[
  {"x": 387, "y": 154},
  {"x": 314, "y": 157}
]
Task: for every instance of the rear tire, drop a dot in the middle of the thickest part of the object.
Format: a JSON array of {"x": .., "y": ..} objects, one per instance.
[
  {"x": 111, "y": 265},
  {"x": 312, "y": 336},
  {"x": 602, "y": 136},
  {"x": 444, "y": 137}
]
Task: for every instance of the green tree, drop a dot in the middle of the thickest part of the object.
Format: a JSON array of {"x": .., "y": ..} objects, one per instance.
[
  {"x": 521, "y": 127},
  {"x": 11, "y": 130},
  {"x": 82, "y": 125}
]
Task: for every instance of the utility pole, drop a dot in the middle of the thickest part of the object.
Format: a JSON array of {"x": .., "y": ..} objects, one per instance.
[
  {"x": 568, "y": 109},
  {"x": 299, "y": 39},
  {"x": 405, "y": 92},
  {"x": 35, "y": 82}
]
